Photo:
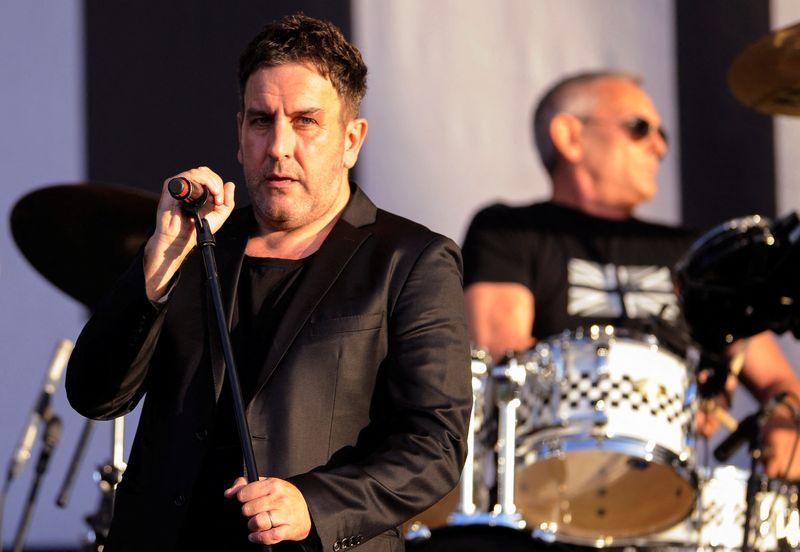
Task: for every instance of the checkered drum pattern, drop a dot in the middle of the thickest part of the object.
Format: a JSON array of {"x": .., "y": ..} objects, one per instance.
[{"x": 585, "y": 392}]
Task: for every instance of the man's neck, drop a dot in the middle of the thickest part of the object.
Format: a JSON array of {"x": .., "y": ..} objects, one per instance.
[
  {"x": 571, "y": 193},
  {"x": 295, "y": 243}
]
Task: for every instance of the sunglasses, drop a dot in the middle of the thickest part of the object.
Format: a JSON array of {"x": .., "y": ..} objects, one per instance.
[{"x": 636, "y": 127}]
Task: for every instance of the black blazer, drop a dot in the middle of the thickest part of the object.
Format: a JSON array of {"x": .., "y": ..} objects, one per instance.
[{"x": 362, "y": 402}]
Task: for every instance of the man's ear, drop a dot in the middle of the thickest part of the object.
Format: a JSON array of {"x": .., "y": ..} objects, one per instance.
[
  {"x": 566, "y": 131},
  {"x": 354, "y": 134}
]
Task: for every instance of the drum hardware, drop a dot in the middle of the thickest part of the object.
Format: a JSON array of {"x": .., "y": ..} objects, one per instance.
[
  {"x": 107, "y": 477},
  {"x": 100, "y": 234},
  {"x": 750, "y": 430},
  {"x": 741, "y": 278},
  {"x": 468, "y": 504},
  {"x": 766, "y": 74},
  {"x": 509, "y": 378},
  {"x": 84, "y": 249},
  {"x": 717, "y": 520},
  {"x": 467, "y": 511}
]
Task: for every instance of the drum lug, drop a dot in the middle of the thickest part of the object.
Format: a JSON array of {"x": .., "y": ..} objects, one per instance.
[{"x": 418, "y": 531}]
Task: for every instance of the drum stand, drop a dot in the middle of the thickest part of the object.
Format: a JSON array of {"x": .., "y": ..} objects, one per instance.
[
  {"x": 107, "y": 478},
  {"x": 508, "y": 378},
  {"x": 754, "y": 480},
  {"x": 466, "y": 511}
]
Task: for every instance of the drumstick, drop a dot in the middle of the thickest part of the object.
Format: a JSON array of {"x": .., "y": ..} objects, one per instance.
[{"x": 712, "y": 408}]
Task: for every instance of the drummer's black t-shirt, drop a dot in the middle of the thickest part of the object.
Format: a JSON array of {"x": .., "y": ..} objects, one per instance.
[{"x": 581, "y": 269}]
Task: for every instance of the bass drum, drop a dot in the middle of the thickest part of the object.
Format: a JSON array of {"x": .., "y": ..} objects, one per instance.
[{"x": 478, "y": 538}]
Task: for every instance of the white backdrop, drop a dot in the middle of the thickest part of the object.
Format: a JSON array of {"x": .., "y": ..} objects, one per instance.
[{"x": 453, "y": 84}]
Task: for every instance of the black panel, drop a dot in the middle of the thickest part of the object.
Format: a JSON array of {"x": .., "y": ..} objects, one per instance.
[
  {"x": 162, "y": 85},
  {"x": 727, "y": 150}
]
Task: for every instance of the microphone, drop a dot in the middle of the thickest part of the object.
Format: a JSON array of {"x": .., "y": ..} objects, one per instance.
[
  {"x": 41, "y": 409},
  {"x": 190, "y": 194},
  {"x": 748, "y": 428},
  {"x": 52, "y": 433}
]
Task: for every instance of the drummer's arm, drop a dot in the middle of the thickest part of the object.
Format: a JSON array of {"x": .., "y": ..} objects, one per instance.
[
  {"x": 767, "y": 372},
  {"x": 500, "y": 316}
]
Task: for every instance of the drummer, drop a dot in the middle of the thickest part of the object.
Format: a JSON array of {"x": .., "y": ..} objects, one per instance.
[{"x": 582, "y": 258}]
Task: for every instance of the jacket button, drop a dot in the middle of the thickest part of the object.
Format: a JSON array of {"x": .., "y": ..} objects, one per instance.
[
  {"x": 201, "y": 434},
  {"x": 180, "y": 500}
]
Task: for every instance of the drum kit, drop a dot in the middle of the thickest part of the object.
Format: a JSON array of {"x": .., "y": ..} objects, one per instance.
[{"x": 587, "y": 440}]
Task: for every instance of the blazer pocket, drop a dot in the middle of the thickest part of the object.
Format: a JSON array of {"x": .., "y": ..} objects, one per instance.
[{"x": 347, "y": 324}]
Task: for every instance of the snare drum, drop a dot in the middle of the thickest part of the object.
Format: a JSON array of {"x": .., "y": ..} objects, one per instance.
[{"x": 604, "y": 441}]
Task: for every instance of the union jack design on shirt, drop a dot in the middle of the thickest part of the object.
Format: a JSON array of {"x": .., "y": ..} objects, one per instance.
[{"x": 607, "y": 290}]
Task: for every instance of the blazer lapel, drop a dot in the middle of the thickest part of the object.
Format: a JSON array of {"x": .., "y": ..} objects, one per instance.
[
  {"x": 323, "y": 270},
  {"x": 229, "y": 256}
]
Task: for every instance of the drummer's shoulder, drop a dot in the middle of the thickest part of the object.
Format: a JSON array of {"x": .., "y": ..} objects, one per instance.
[
  {"x": 673, "y": 231},
  {"x": 501, "y": 214}
]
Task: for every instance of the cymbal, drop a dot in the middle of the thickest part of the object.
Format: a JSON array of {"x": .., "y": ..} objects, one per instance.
[
  {"x": 82, "y": 237},
  {"x": 765, "y": 76}
]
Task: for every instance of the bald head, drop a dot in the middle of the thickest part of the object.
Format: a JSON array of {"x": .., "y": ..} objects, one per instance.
[{"x": 577, "y": 95}]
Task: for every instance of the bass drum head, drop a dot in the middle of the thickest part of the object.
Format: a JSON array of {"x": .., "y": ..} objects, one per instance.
[
  {"x": 479, "y": 538},
  {"x": 609, "y": 496}
]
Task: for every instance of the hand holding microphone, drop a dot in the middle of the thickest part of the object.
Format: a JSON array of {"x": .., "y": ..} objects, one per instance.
[
  {"x": 183, "y": 195},
  {"x": 190, "y": 195}
]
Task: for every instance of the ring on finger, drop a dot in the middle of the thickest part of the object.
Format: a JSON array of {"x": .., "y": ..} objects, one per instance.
[{"x": 271, "y": 523}]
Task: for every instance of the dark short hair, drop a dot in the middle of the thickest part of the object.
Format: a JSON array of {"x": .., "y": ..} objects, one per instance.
[
  {"x": 302, "y": 39},
  {"x": 568, "y": 95}
]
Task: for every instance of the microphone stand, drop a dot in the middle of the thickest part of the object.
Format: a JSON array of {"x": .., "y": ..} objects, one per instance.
[
  {"x": 754, "y": 480},
  {"x": 206, "y": 242},
  {"x": 50, "y": 439},
  {"x": 72, "y": 471}
]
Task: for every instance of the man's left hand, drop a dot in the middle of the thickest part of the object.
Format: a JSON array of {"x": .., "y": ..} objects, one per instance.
[{"x": 276, "y": 508}]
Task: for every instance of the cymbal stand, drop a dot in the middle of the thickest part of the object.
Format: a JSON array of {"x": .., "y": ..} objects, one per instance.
[
  {"x": 754, "y": 481},
  {"x": 107, "y": 478},
  {"x": 74, "y": 464}
]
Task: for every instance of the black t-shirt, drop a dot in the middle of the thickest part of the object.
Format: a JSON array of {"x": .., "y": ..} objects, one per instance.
[
  {"x": 581, "y": 269},
  {"x": 266, "y": 286}
]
